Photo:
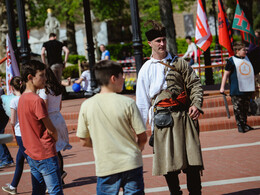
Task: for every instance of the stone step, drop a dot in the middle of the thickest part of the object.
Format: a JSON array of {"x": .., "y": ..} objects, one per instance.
[
  {"x": 207, "y": 124},
  {"x": 214, "y": 117},
  {"x": 215, "y": 101},
  {"x": 216, "y": 112},
  {"x": 221, "y": 123}
]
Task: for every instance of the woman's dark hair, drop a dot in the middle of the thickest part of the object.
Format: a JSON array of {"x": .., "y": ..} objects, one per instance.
[
  {"x": 17, "y": 83},
  {"x": 52, "y": 85},
  {"x": 31, "y": 67},
  {"x": 105, "y": 69}
]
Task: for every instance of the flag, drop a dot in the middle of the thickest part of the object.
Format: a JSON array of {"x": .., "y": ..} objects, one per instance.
[
  {"x": 11, "y": 65},
  {"x": 241, "y": 23},
  {"x": 203, "y": 37},
  {"x": 224, "y": 31}
]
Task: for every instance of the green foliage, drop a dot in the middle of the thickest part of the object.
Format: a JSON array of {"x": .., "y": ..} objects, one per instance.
[
  {"x": 2, "y": 74},
  {"x": 105, "y": 9},
  {"x": 73, "y": 59},
  {"x": 71, "y": 71},
  {"x": 118, "y": 51},
  {"x": 62, "y": 9}
]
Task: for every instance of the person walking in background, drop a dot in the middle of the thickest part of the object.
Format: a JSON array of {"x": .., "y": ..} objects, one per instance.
[
  {"x": 38, "y": 133},
  {"x": 171, "y": 91},
  {"x": 18, "y": 88},
  {"x": 51, "y": 95},
  {"x": 105, "y": 55},
  {"x": 191, "y": 51},
  {"x": 110, "y": 123},
  {"x": 54, "y": 50},
  {"x": 240, "y": 72}
]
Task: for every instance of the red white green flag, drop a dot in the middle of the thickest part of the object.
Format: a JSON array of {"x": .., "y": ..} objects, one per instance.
[{"x": 241, "y": 23}]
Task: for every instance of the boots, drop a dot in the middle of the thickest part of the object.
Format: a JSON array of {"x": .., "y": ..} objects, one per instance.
[
  {"x": 248, "y": 128},
  {"x": 193, "y": 181},
  {"x": 241, "y": 128},
  {"x": 173, "y": 183}
]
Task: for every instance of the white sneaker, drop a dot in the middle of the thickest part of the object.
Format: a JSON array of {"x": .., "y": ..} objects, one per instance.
[{"x": 9, "y": 190}]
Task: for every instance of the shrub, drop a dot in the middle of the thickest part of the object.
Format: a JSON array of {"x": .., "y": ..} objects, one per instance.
[
  {"x": 2, "y": 74},
  {"x": 73, "y": 59},
  {"x": 71, "y": 71}
]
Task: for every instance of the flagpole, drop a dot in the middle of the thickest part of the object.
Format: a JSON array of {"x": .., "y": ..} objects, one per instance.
[{"x": 221, "y": 60}]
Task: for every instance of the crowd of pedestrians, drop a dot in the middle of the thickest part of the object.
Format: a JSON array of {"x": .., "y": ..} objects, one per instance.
[{"x": 169, "y": 95}]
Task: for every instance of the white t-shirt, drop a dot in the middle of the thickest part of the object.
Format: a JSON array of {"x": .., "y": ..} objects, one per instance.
[
  {"x": 53, "y": 101},
  {"x": 191, "y": 49},
  {"x": 86, "y": 86},
  {"x": 111, "y": 121},
  {"x": 14, "y": 105}
]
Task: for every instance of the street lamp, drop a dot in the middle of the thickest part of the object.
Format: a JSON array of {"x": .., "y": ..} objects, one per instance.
[
  {"x": 90, "y": 43},
  {"x": 11, "y": 27},
  {"x": 137, "y": 40},
  {"x": 25, "y": 49}
]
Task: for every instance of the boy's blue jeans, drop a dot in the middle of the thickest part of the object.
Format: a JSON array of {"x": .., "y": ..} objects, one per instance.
[
  {"x": 46, "y": 172},
  {"x": 131, "y": 182}
]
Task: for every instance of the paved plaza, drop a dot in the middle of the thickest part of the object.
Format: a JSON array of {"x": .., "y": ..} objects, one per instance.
[
  {"x": 231, "y": 162},
  {"x": 231, "y": 167}
]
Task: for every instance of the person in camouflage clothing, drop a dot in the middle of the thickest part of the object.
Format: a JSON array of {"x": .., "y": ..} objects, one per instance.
[{"x": 240, "y": 72}]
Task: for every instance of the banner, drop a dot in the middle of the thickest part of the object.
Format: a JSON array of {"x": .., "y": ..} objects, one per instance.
[
  {"x": 224, "y": 31},
  {"x": 11, "y": 65},
  {"x": 203, "y": 37},
  {"x": 241, "y": 23}
]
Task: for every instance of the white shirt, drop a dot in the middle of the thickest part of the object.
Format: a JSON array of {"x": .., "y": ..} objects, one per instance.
[
  {"x": 86, "y": 86},
  {"x": 151, "y": 80},
  {"x": 245, "y": 74},
  {"x": 14, "y": 105},
  {"x": 53, "y": 101},
  {"x": 191, "y": 48}
]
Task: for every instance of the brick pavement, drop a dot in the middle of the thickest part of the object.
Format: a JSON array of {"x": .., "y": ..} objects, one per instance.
[{"x": 222, "y": 167}]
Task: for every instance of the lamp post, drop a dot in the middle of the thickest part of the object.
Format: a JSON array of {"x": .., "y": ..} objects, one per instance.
[
  {"x": 90, "y": 43},
  {"x": 11, "y": 27},
  {"x": 25, "y": 49},
  {"x": 137, "y": 40}
]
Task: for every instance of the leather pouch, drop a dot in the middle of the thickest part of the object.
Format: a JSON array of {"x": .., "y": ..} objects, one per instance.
[{"x": 163, "y": 118}]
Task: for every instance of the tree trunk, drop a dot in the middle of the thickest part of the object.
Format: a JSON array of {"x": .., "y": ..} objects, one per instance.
[
  {"x": 166, "y": 14},
  {"x": 208, "y": 71},
  {"x": 71, "y": 39}
]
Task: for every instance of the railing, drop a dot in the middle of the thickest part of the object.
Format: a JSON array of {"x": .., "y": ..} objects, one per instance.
[{"x": 218, "y": 60}]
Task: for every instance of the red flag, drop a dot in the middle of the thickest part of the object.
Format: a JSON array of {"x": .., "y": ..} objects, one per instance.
[
  {"x": 203, "y": 36},
  {"x": 223, "y": 29}
]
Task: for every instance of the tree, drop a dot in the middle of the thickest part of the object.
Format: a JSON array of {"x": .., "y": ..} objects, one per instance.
[
  {"x": 167, "y": 20},
  {"x": 162, "y": 10},
  {"x": 68, "y": 11}
]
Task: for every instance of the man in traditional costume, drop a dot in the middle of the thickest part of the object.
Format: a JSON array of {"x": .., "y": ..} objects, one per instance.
[{"x": 169, "y": 89}]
